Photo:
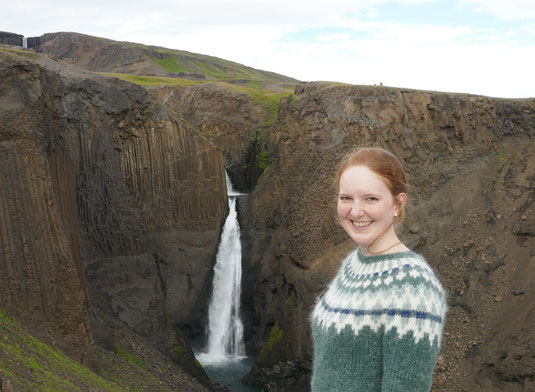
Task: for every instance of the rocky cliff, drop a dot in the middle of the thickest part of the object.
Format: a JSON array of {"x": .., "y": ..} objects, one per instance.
[
  {"x": 227, "y": 102},
  {"x": 98, "y": 178},
  {"x": 233, "y": 117},
  {"x": 471, "y": 167},
  {"x": 10, "y": 38}
]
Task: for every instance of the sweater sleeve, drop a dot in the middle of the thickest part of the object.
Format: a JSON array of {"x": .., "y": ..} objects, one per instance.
[
  {"x": 412, "y": 342},
  {"x": 407, "y": 366}
]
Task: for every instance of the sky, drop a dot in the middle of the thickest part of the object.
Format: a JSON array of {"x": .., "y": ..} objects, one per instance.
[{"x": 484, "y": 47}]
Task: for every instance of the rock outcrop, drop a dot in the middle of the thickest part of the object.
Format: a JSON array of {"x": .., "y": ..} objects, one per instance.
[
  {"x": 471, "y": 167},
  {"x": 100, "y": 178},
  {"x": 10, "y": 38}
]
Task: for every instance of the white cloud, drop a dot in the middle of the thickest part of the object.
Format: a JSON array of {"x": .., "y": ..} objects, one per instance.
[
  {"x": 335, "y": 37},
  {"x": 529, "y": 28},
  {"x": 505, "y": 9}
]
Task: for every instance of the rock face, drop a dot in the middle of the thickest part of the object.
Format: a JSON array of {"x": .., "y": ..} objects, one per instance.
[
  {"x": 42, "y": 273},
  {"x": 103, "y": 180},
  {"x": 226, "y": 116},
  {"x": 471, "y": 168},
  {"x": 10, "y": 38}
]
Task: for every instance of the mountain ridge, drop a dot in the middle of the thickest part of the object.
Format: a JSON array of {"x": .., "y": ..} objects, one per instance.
[{"x": 106, "y": 55}]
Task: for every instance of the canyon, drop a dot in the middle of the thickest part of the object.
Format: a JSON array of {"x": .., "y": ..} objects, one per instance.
[{"x": 113, "y": 196}]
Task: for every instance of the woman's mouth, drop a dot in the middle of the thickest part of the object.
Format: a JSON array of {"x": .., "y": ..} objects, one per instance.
[{"x": 361, "y": 225}]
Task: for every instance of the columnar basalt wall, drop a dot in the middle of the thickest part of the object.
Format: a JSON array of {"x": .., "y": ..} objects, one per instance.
[
  {"x": 470, "y": 163},
  {"x": 225, "y": 116},
  {"x": 102, "y": 186},
  {"x": 41, "y": 265}
]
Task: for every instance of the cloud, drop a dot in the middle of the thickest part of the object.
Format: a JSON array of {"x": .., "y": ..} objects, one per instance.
[{"x": 505, "y": 9}]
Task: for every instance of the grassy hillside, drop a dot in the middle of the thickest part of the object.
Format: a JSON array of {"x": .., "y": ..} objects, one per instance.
[
  {"x": 101, "y": 54},
  {"x": 211, "y": 67},
  {"x": 31, "y": 365},
  {"x": 266, "y": 97}
]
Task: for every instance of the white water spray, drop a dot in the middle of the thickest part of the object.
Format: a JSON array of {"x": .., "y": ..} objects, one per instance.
[
  {"x": 25, "y": 42},
  {"x": 225, "y": 328}
]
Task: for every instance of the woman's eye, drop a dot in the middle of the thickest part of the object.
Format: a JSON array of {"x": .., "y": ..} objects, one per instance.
[
  {"x": 370, "y": 198},
  {"x": 344, "y": 198}
]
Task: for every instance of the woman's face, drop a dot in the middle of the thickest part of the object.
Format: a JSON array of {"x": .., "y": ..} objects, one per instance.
[{"x": 365, "y": 205}]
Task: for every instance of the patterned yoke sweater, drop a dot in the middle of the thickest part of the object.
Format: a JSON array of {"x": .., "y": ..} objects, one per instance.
[{"x": 378, "y": 327}]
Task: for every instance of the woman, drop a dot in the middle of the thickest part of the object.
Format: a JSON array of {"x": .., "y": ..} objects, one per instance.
[{"x": 378, "y": 327}]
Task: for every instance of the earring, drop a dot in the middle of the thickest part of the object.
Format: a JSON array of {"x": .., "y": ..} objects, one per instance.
[{"x": 395, "y": 214}]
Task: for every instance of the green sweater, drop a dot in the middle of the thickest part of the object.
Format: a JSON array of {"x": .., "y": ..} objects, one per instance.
[{"x": 378, "y": 327}]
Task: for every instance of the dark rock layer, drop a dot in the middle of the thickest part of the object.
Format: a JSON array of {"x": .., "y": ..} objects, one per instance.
[{"x": 13, "y": 39}]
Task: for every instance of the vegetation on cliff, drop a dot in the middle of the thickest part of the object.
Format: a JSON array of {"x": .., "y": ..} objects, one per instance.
[{"x": 31, "y": 365}]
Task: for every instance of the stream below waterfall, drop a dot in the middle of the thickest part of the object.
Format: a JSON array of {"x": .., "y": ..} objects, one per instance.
[{"x": 223, "y": 357}]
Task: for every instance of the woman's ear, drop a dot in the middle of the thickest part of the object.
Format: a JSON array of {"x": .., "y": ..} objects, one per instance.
[{"x": 401, "y": 200}]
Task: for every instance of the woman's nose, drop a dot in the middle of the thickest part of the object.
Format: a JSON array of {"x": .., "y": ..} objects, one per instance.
[{"x": 356, "y": 210}]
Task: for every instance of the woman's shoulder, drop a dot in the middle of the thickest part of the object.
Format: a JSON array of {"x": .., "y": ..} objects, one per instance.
[{"x": 417, "y": 262}]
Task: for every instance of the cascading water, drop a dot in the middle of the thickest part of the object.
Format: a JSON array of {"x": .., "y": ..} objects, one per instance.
[
  {"x": 225, "y": 328},
  {"x": 224, "y": 355},
  {"x": 24, "y": 42}
]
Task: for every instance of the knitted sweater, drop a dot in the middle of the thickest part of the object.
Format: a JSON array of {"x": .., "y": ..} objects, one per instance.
[{"x": 378, "y": 327}]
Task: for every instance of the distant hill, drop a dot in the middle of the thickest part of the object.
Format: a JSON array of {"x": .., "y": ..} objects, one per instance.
[{"x": 105, "y": 55}]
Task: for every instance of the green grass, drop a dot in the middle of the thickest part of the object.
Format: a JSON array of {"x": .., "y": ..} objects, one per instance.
[
  {"x": 31, "y": 365},
  {"x": 152, "y": 80},
  {"x": 211, "y": 70},
  {"x": 212, "y": 67},
  {"x": 170, "y": 64},
  {"x": 266, "y": 98},
  {"x": 275, "y": 336},
  {"x": 19, "y": 52},
  {"x": 130, "y": 357},
  {"x": 254, "y": 84}
]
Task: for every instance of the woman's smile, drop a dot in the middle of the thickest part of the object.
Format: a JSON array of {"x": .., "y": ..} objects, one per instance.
[{"x": 361, "y": 225}]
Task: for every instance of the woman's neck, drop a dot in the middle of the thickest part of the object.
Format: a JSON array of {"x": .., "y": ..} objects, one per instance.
[{"x": 384, "y": 244}]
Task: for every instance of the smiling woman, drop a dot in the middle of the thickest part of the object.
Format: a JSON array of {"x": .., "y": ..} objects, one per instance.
[
  {"x": 372, "y": 195},
  {"x": 379, "y": 325},
  {"x": 367, "y": 210}
]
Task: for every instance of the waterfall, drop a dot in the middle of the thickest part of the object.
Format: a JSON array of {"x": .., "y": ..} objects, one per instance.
[
  {"x": 225, "y": 328},
  {"x": 25, "y": 42}
]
